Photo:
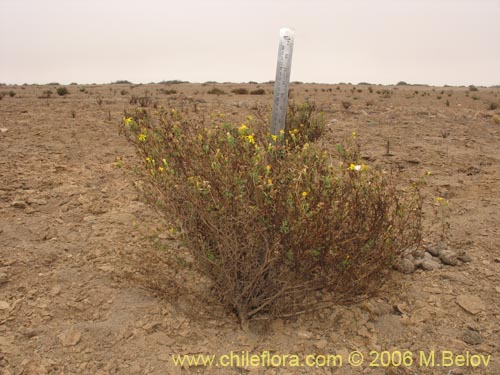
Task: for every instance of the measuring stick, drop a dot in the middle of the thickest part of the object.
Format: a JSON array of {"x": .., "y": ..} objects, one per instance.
[{"x": 283, "y": 68}]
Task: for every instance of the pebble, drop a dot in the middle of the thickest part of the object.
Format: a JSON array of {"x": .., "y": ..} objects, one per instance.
[
  {"x": 448, "y": 257},
  {"x": 404, "y": 266},
  {"x": 470, "y": 303},
  {"x": 436, "y": 249},
  {"x": 70, "y": 337},
  {"x": 321, "y": 344},
  {"x": 472, "y": 337},
  {"x": 429, "y": 265},
  {"x": 464, "y": 257},
  {"x": 4, "y": 278},
  {"x": 19, "y": 204}
]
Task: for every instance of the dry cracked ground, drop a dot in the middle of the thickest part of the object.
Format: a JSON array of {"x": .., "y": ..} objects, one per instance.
[{"x": 76, "y": 237}]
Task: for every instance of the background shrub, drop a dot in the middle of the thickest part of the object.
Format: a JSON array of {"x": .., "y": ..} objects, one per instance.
[
  {"x": 216, "y": 91},
  {"x": 62, "y": 91},
  {"x": 240, "y": 91},
  {"x": 270, "y": 220},
  {"x": 258, "y": 92}
]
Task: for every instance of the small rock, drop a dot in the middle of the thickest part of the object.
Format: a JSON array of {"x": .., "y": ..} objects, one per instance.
[
  {"x": 363, "y": 332},
  {"x": 464, "y": 257},
  {"x": 70, "y": 337},
  {"x": 304, "y": 334},
  {"x": 404, "y": 266},
  {"x": 55, "y": 291},
  {"x": 448, "y": 257},
  {"x": 436, "y": 249},
  {"x": 3, "y": 130},
  {"x": 4, "y": 278},
  {"x": 4, "y": 305},
  {"x": 470, "y": 303},
  {"x": 321, "y": 344},
  {"x": 429, "y": 265},
  {"x": 472, "y": 337},
  {"x": 428, "y": 256},
  {"x": 418, "y": 253},
  {"x": 19, "y": 204}
]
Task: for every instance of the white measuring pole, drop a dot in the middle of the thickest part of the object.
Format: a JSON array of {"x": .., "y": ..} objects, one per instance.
[{"x": 283, "y": 68}]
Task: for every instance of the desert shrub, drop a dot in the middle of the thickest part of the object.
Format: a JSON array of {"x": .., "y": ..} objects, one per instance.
[
  {"x": 62, "y": 91},
  {"x": 145, "y": 101},
  {"x": 1, "y": 96},
  {"x": 240, "y": 91},
  {"x": 258, "y": 92},
  {"x": 402, "y": 83},
  {"x": 46, "y": 94},
  {"x": 216, "y": 91},
  {"x": 12, "y": 93},
  {"x": 168, "y": 92},
  {"x": 276, "y": 229},
  {"x": 492, "y": 106},
  {"x": 346, "y": 104},
  {"x": 302, "y": 124},
  {"x": 473, "y": 88},
  {"x": 122, "y": 82},
  {"x": 173, "y": 82}
]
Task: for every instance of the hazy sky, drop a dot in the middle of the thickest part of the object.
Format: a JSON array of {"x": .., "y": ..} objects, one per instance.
[{"x": 455, "y": 42}]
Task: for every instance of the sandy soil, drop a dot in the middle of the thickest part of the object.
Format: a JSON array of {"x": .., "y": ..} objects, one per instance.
[{"x": 75, "y": 236}]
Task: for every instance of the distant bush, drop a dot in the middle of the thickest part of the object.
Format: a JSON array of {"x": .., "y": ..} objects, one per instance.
[
  {"x": 240, "y": 91},
  {"x": 168, "y": 92},
  {"x": 493, "y": 106},
  {"x": 401, "y": 83},
  {"x": 346, "y": 104},
  {"x": 123, "y": 92},
  {"x": 473, "y": 88},
  {"x": 73, "y": 84},
  {"x": 216, "y": 91},
  {"x": 173, "y": 82},
  {"x": 46, "y": 94},
  {"x": 258, "y": 92},
  {"x": 276, "y": 226},
  {"x": 122, "y": 82},
  {"x": 62, "y": 91},
  {"x": 12, "y": 93}
]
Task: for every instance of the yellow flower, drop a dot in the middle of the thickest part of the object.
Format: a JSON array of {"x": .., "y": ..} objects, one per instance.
[
  {"x": 148, "y": 159},
  {"x": 142, "y": 137},
  {"x": 249, "y": 118},
  {"x": 357, "y": 167},
  {"x": 128, "y": 120},
  {"x": 353, "y": 135},
  {"x": 440, "y": 199},
  {"x": 268, "y": 168},
  {"x": 243, "y": 128},
  {"x": 274, "y": 137},
  {"x": 429, "y": 173},
  {"x": 160, "y": 169},
  {"x": 164, "y": 161},
  {"x": 304, "y": 194},
  {"x": 269, "y": 181},
  {"x": 250, "y": 139},
  {"x": 282, "y": 132}
]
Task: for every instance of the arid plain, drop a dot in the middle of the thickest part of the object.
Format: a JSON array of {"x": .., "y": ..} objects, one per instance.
[{"x": 83, "y": 284}]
